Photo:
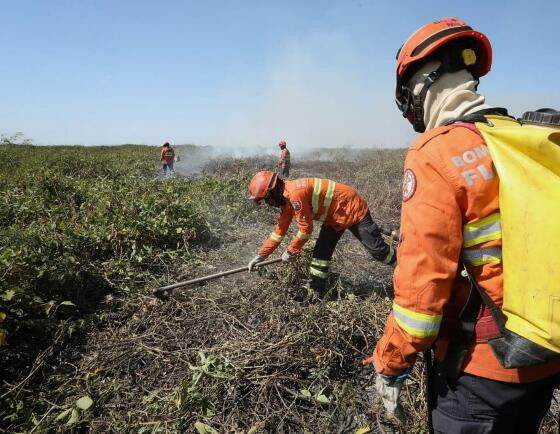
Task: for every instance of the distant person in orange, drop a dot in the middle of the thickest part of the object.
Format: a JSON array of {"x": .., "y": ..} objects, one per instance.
[
  {"x": 284, "y": 162},
  {"x": 336, "y": 206},
  {"x": 167, "y": 156}
]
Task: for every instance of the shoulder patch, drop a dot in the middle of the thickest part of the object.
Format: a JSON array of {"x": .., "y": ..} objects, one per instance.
[
  {"x": 296, "y": 205},
  {"x": 409, "y": 185}
]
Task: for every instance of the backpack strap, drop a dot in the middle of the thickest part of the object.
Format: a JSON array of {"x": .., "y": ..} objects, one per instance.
[
  {"x": 467, "y": 121},
  {"x": 459, "y": 345},
  {"x": 480, "y": 116}
]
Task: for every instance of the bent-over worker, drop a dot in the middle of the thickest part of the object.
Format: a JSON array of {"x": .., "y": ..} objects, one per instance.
[{"x": 336, "y": 206}]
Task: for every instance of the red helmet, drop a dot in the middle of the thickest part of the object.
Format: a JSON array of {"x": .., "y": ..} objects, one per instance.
[
  {"x": 262, "y": 185},
  {"x": 468, "y": 49},
  {"x": 282, "y": 143}
]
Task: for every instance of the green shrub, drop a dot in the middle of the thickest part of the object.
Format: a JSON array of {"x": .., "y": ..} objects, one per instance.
[{"x": 74, "y": 219}]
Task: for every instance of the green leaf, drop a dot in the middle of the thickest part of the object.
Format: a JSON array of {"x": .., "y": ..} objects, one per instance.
[
  {"x": 202, "y": 428},
  {"x": 305, "y": 392},
  {"x": 84, "y": 402},
  {"x": 49, "y": 307},
  {"x": 208, "y": 412},
  {"x": 323, "y": 399},
  {"x": 67, "y": 303},
  {"x": 363, "y": 429},
  {"x": 74, "y": 418},
  {"x": 202, "y": 357},
  {"x": 8, "y": 295},
  {"x": 254, "y": 429},
  {"x": 64, "y": 414}
]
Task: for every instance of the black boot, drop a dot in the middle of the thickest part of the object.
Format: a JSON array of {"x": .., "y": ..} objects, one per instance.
[{"x": 317, "y": 288}]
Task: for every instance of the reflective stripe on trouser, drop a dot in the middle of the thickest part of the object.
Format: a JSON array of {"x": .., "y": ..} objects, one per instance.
[
  {"x": 322, "y": 254},
  {"x": 487, "y": 229},
  {"x": 369, "y": 235},
  {"x": 492, "y": 255},
  {"x": 416, "y": 324},
  {"x": 275, "y": 237},
  {"x": 390, "y": 256},
  {"x": 319, "y": 271}
]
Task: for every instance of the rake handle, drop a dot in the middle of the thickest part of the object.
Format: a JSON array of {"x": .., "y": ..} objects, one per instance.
[{"x": 163, "y": 289}]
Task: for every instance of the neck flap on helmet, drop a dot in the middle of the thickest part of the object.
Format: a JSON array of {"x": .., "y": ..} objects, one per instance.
[{"x": 456, "y": 56}]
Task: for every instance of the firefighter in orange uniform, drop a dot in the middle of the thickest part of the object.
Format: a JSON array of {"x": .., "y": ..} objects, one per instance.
[
  {"x": 167, "y": 156},
  {"x": 450, "y": 217},
  {"x": 336, "y": 206},
  {"x": 284, "y": 162}
]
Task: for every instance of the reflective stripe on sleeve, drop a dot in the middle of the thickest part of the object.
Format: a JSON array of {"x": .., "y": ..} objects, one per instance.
[
  {"x": 302, "y": 235},
  {"x": 318, "y": 273},
  {"x": 275, "y": 237},
  {"x": 487, "y": 229},
  {"x": 492, "y": 255},
  {"x": 316, "y": 194},
  {"x": 328, "y": 199},
  {"x": 416, "y": 324},
  {"x": 320, "y": 262},
  {"x": 390, "y": 255}
]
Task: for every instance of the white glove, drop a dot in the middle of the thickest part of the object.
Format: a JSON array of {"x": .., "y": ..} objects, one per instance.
[
  {"x": 389, "y": 388},
  {"x": 257, "y": 259},
  {"x": 287, "y": 256}
]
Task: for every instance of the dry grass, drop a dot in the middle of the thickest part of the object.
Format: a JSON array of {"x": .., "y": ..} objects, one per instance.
[{"x": 251, "y": 353}]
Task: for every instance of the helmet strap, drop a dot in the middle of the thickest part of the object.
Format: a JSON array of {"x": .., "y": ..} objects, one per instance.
[{"x": 418, "y": 100}]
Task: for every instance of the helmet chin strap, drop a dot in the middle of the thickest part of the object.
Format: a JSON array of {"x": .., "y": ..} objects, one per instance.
[{"x": 418, "y": 100}]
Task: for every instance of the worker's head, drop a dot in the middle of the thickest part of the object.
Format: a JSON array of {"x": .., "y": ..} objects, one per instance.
[
  {"x": 166, "y": 145},
  {"x": 267, "y": 185},
  {"x": 435, "y": 50},
  {"x": 282, "y": 144}
]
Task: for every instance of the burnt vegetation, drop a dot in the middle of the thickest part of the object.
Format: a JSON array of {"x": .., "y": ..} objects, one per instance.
[{"x": 86, "y": 233}]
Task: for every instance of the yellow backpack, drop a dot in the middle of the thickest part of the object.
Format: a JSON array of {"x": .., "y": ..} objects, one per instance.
[{"x": 526, "y": 155}]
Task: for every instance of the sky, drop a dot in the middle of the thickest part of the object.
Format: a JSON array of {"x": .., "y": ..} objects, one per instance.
[{"x": 233, "y": 73}]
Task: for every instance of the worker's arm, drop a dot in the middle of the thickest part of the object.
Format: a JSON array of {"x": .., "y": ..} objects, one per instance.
[
  {"x": 275, "y": 238},
  {"x": 304, "y": 218},
  {"x": 282, "y": 158},
  {"x": 428, "y": 256}
]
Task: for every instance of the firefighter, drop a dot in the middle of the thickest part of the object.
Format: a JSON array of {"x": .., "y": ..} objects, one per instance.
[
  {"x": 450, "y": 217},
  {"x": 336, "y": 206},
  {"x": 284, "y": 162},
  {"x": 167, "y": 156}
]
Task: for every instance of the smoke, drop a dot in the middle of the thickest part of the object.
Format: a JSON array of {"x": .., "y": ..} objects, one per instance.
[
  {"x": 193, "y": 160},
  {"x": 315, "y": 93}
]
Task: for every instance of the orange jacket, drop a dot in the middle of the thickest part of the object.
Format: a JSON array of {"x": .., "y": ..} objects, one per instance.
[
  {"x": 167, "y": 154},
  {"x": 308, "y": 199},
  {"x": 450, "y": 216},
  {"x": 284, "y": 158}
]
